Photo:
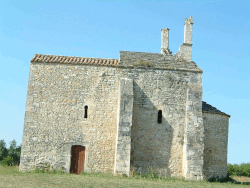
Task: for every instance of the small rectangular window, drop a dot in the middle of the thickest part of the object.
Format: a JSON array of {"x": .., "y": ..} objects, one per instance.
[
  {"x": 159, "y": 116},
  {"x": 86, "y": 112}
]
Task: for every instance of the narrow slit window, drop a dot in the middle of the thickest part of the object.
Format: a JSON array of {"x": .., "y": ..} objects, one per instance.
[
  {"x": 86, "y": 111},
  {"x": 159, "y": 116}
]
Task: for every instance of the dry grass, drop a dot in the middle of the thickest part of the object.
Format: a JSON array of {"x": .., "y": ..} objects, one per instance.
[
  {"x": 11, "y": 177},
  {"x": 241, "y": 178}
]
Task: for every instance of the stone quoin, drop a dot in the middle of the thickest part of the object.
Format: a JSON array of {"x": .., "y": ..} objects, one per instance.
[{"x": 143, "y": 110}]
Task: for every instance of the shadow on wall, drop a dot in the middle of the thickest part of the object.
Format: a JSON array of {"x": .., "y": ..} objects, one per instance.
[{"x": 151, "y": 139}]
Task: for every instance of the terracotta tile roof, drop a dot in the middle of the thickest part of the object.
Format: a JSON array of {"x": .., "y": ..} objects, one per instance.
[
  {"x": 74, "y": 60},
  {"x": 209, "y": 108}
]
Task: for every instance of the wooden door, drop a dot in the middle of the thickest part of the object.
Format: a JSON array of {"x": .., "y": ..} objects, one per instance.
[{"x": 77, "y": 159}]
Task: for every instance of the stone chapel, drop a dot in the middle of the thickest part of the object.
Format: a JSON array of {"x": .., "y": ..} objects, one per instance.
[{"x": 143, "y": 110}]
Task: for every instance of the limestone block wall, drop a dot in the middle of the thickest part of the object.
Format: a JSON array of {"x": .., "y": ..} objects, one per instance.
[
  {"x": 54, "y": 116},
  {"x": 184, "y": 53},
  {"x": 159, "y": 145},
  {"x": 124, "y": 124},
  {"x": 178, "y": 94},
  {"x": 55, "y": 108},
  {"x": 193, "y": 150},
  {"x": 216, "y": 139}
]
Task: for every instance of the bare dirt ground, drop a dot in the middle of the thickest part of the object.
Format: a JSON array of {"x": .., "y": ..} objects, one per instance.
[{"x": 241, "y": 178}]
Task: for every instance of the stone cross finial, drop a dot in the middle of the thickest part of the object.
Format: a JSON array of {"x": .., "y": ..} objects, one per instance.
[
  {"x": 165, "y": 42},
  {"x": 188, "y": 29}
]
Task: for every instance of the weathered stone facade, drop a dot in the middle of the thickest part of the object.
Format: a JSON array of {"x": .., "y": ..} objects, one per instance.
[
  {"x": 143, "y": 110},
  {"x": 215, "y": 141}
]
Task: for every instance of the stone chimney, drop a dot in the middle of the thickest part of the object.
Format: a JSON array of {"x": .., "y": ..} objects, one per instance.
[
  {"x": 188, "y": 30},
  {"x": 185, "y": 50},
  {"x": 165, "y": 42}
]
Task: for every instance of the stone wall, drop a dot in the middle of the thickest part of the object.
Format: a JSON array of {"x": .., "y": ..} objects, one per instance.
[
  {"x": 124, "y": 124},
  {"x": 159, "y": 145},
  {"x": 55, "y": 108},
  {"x": 179, "y": 95},
  {"x": 54, "y": 116},
  {"x": 216, "y": 139}
]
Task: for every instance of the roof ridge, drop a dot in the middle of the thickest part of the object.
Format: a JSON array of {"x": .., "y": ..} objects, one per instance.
[
  {"x": 73, "y": 56},
  {"x": 74, "y": 60}
]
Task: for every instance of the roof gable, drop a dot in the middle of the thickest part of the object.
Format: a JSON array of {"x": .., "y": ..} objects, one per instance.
[{"x": 209, "y": 108}]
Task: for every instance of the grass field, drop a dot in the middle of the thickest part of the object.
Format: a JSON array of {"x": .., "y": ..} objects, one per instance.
[{"x": 11, "y": 177}]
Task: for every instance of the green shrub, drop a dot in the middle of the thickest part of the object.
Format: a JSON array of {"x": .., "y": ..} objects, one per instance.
[
  {"x": 3, "y": 150},
  {"x": 14, "y": 151},
  {"x": 238, "y": 170},
  {"x": 245, "y": 169},
  {"x": 8, "y": 161}
]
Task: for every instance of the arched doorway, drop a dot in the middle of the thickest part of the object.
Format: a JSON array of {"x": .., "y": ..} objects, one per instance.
[{"x": 77, "y": 159}]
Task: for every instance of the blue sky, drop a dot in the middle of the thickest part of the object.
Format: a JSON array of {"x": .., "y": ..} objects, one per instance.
[{"x": 221, "y": 40}]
